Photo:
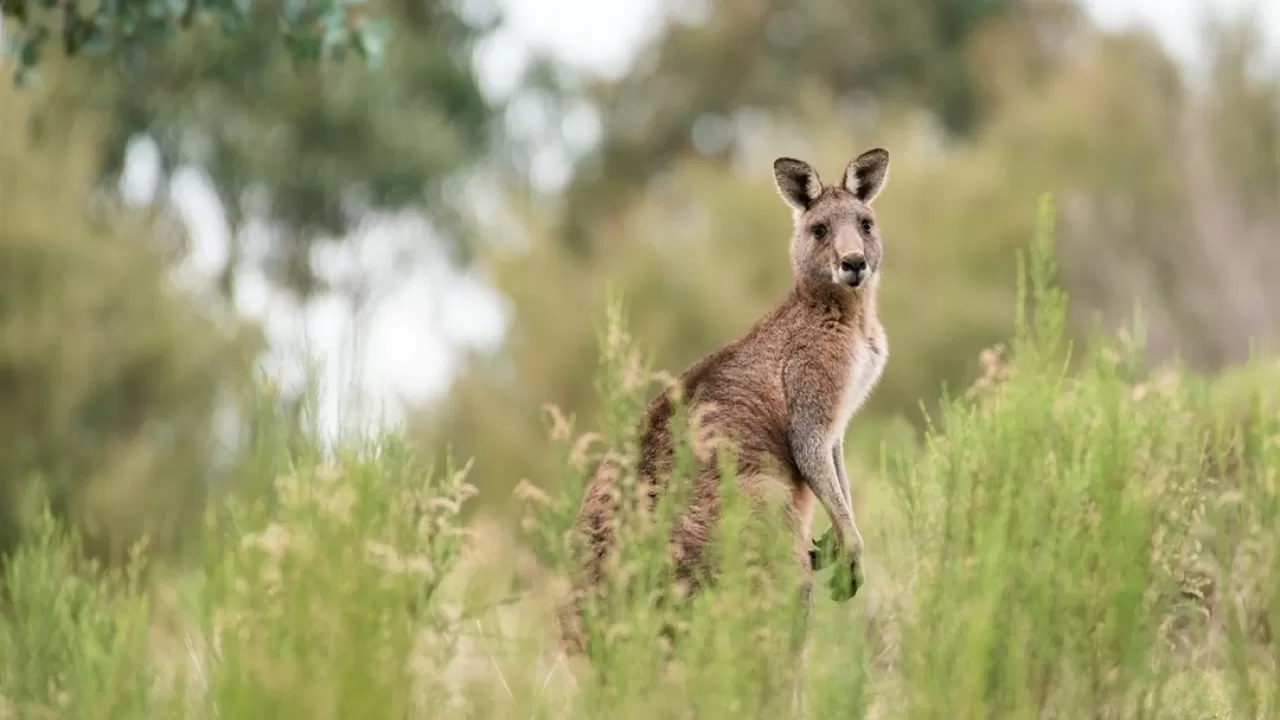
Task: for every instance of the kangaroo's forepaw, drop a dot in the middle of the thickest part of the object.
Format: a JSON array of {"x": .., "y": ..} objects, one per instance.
[{"x": 847, "y": 578}]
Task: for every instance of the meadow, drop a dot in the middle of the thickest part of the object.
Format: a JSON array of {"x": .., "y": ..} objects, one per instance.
[{"x": 1077, "y": 534}]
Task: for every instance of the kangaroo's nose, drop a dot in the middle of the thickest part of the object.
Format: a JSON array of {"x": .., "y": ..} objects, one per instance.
[
  {"x": 853, "y": 269},
  {"x": 853, "y": 264}
]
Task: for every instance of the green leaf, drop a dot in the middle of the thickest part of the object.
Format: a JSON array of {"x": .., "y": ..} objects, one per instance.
[
  {"x": 305, "y": 47},
  {"x": 27, "y": 51},
  {"x": 371, "y": 39},
  {"x": 97, "y": 42},
  {"x": 231, "y": 21}
]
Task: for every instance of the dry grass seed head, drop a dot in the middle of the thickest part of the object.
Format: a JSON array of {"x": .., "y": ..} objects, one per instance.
[
  {"x": 339, "y": 503},
  {"x": 579, "y": 454},
  {"x": 669, "y": 381},
  {"x": 288, "y": 490},
  {"x": 559, "y": 430},
  {"x": 996, "y": 372},
  {"x": 526, "y": 492},
  {"x": 616, "y": 340},
  {"x": 275, "y": 540}
]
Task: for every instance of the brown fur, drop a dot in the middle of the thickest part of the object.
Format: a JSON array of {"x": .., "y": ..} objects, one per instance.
[{"x": 782, "y": 394}]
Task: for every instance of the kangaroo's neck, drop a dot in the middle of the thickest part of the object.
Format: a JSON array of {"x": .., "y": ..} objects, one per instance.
[{"x": 839, "y": 305}]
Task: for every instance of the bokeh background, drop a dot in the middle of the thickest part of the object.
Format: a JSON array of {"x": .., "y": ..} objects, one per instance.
[{"x": 430, "y": 245}]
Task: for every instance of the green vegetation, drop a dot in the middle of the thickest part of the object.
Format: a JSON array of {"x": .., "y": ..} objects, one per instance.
[
  {"x": 310, "y": 30},
  {"x": 1075, "y": 536}
]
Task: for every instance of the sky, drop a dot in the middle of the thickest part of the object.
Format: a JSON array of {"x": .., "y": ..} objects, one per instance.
[
  {"x": 408, "y": 351},
  {"x": 1175, "y": 21}
]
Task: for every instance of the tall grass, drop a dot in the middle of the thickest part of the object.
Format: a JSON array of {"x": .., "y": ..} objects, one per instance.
[{"x": 1076, "y": 536}]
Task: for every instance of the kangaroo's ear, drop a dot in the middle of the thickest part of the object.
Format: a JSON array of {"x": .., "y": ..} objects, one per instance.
[
  {"x": 867, "y": 173},
  {"x": 797, "y": 182}
]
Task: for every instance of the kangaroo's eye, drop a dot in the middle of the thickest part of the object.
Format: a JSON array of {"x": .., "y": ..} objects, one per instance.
[
  {"x": 819, "y": 231},
  {"x": 866, "y": 225}
]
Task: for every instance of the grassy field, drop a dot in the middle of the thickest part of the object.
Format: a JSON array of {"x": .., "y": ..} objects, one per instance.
[{"x": 1075, "y": 536}]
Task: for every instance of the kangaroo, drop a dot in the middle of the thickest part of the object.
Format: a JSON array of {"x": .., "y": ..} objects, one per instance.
[{"x": 782, "y": 394}]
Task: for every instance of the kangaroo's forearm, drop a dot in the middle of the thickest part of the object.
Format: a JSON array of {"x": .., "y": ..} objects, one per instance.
[
  {"x": 819, "y": 471},
  {"x": 837, "y": 458}
]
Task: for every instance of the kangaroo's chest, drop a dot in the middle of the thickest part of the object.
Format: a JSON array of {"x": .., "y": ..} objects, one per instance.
[{"x": 867, "y": 357}]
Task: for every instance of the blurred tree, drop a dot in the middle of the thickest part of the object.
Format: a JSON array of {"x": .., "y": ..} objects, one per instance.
[
  {"x": 1244, "y": 102},
  {"x": 110, "y": 381},
  {"x": 305, "y": 151},
  {"x": 706, "y": 77},
  {"x": 1167, "y": 189}
]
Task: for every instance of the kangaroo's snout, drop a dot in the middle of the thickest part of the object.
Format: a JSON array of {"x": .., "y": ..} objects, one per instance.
[{"x": 853, "y": 269}]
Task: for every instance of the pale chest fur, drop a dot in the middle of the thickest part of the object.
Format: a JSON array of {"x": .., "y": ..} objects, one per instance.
[{"x": 867, "y": 357}]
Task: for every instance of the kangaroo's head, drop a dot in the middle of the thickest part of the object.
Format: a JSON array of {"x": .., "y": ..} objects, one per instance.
[{"x": 835, "y": 241}]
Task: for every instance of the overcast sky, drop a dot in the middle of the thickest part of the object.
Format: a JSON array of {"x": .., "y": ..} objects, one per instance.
[{"x": 410, "y": 339}]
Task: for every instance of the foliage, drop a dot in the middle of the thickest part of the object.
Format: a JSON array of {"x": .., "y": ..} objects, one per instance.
[
  {"x": 323, "y": 29},
  {"x": 300, "y": 155},
  {"x": 74, "y": 636}
]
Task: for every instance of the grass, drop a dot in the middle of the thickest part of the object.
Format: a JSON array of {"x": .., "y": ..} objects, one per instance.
[{"x": 1074, "y": 537}]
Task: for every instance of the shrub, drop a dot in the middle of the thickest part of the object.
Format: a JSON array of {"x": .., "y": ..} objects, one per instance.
[{"x": 73, "y": 636}]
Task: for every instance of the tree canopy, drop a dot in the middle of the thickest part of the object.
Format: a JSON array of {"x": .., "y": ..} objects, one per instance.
[
  {"x": 308, "y": 149},
  {"x": 312, "y": 30}
]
